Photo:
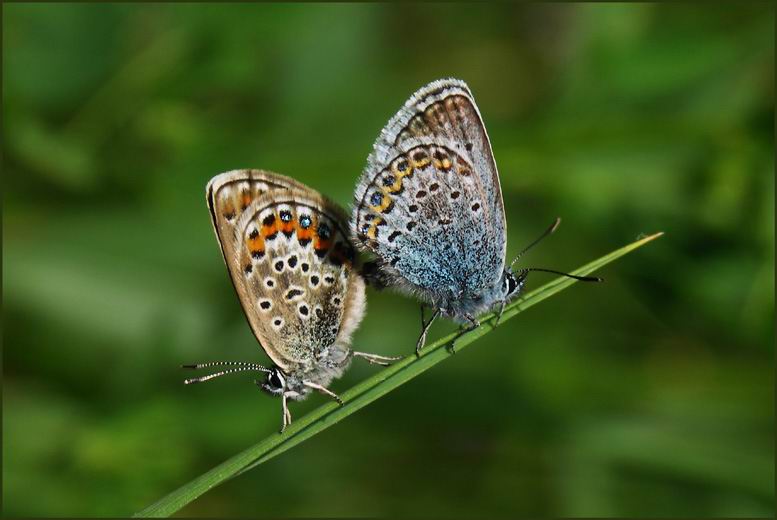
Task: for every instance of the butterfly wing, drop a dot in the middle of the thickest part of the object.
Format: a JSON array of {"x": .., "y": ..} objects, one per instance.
[
  {"x": 292, "y": 265},
  {"x": 429, "y": 203},
  {"x": 230, "y": 193}
]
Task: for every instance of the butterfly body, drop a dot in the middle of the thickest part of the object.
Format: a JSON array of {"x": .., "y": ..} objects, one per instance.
[{"x": 429, "y": 205}]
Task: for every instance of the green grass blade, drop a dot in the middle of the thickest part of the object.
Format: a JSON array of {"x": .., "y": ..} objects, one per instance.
[{"x": 363, "y": 394}]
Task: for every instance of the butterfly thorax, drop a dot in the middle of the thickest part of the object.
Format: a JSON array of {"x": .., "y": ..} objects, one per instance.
[
  {"x": 508, "y": 287},
  {"x": 330, "y": 363},
  {"x": 473, "y": 304}
]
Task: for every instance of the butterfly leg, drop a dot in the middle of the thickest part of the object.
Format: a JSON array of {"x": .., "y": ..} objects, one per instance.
[
  {"x": 473, "y": 324},
  {"x": 422, "y": 339},
  {"x": 376, "y": 359},
  {"x": 286, "y": 414},
  {"x": 323, "y": 390},
  {"x": 501, "y": 311}
]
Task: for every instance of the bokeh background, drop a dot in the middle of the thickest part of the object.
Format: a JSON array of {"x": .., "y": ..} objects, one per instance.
[{"x": 650, "y": 395}]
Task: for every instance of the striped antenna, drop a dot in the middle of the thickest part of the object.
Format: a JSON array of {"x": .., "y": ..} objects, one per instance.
[
  {"x": 239, "y": 366},
  {"x": 576, "y": 277},
  {"x": 523, "y": 272},
  {"x": 547, "y": 232}
]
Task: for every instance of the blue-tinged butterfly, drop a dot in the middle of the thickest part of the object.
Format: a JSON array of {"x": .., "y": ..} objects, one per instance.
[
  {"x": 294, "y": 268},
  {"x": 429, "y": 207}
]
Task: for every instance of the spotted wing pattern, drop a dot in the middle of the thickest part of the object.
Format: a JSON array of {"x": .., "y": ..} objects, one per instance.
[
  {"x": 429, "y": 204},
  {"x": 292, "y": 266},
  {"x": 230, "y": 193}
]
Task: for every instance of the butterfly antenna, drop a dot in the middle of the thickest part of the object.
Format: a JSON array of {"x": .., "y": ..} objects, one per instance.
[
  {"x": 239, "y": 366},
  {"x": 581, "y": 278},
  {"x": 547, "y": 232}
]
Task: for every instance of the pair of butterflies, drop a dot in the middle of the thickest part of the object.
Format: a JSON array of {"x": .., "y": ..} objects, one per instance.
[{"x": 428, "y": 206}]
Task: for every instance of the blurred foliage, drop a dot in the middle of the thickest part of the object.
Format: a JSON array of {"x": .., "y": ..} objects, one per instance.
[{"x": 650, "y": 395}]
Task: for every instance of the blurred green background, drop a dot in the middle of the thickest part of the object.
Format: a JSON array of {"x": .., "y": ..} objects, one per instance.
[{"x": 650, "y": 395}]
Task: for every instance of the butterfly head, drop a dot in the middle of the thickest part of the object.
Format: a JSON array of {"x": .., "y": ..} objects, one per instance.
[
  {"x": 503, "y": 290},
  {"x": 275, "y": 384},
  {"x": 512, "y": 283}
]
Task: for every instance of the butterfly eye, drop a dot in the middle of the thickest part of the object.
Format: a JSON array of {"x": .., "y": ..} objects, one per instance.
[
  {"x": 304, "y": 221},
  {"x": 275, "y": 379},
  {"x": 510, "y": 283},
  {"x": 286, "y": 216}
]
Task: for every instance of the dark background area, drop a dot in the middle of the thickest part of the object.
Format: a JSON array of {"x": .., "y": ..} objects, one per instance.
[{"x": 649, "y": 395}]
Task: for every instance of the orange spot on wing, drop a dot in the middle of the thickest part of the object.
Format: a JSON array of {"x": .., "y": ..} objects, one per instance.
[
  {"x": 269, "y": 230},
  {"x": 228, "y": 211},
  {"x": 372, "y": 232},
  {"x": 420, "y": 157},
  {"x": 255, "y": 245},
  {"x": 321, "y": 244},
  {"x": 304, "y": 234},
  {"x": 385, "y": 201},
  {"x": 288, "y": 227},
  {"x": 394, "y": 188},
  {"x": 442, "y": 162},
  {"x": 246, "y": 199}
]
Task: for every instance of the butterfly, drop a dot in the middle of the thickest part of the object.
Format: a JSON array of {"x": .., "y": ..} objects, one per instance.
[
  {"x": 429, "y": 207},
  {"x": 288, "y": 253}
]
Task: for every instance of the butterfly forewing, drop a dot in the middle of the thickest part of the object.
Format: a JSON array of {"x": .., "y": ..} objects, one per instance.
[{"x": 293, "y": 270}]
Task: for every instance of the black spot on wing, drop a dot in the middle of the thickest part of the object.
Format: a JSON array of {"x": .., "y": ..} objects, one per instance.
[{"x": 292, "y": 293}]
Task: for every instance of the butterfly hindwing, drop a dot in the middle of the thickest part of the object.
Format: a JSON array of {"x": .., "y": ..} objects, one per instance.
[{"x": 293, "y": 270}]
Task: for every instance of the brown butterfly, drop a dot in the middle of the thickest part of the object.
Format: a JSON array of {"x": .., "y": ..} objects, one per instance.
[{"x": 294, "y": 268}]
